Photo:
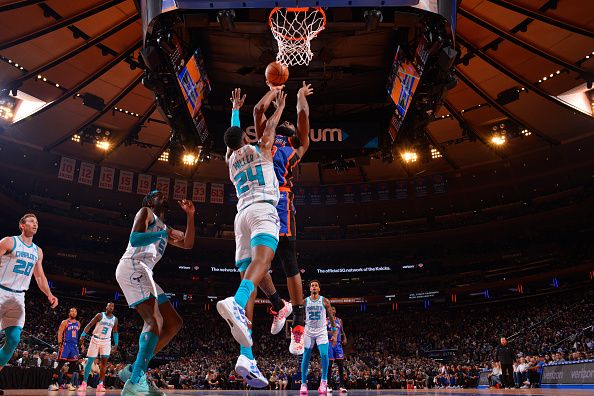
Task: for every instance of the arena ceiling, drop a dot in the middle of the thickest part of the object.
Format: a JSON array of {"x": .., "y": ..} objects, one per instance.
[{"x": 59, "y": 51}]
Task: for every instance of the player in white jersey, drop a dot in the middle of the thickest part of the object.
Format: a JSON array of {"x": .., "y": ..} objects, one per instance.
[
  {"x": 19, "y": 258},
  {"x": 316, "y": 332},
  {"x": 105, "y": 324},
  {"x": 134, "y": 274},
  {"x": 256, "y": 231}
]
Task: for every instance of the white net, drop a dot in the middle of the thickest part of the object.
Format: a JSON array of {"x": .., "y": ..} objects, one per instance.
[{"x": 293, "y": 29}]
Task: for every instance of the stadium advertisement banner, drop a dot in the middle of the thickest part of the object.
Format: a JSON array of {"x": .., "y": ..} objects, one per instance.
[
  {"x": 384, "y": 268},
  {"x": 106, "y": 178},
  {"x": 125, "y": 181},
  {"x": 579, "y": 374},
  {"x": 163, "y": 185},
  {"x": 86, "y": 173},
  {"x": 143, "y": 186},
  {"x": 66, "y": 171}
]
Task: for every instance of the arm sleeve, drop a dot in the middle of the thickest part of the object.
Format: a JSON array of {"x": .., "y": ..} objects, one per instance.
[
  {"x": 116, "y": 339},
  {"x": 235, "y": 118},
  {"x": 146, "y": 238}
]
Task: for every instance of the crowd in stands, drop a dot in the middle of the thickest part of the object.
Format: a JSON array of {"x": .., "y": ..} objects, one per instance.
[{"x": 385, "y": 350}]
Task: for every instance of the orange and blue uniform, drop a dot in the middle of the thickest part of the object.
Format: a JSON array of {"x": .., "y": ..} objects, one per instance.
[
  {"x": 69, "y": 347},
  {"x": 285, "y": 158}
]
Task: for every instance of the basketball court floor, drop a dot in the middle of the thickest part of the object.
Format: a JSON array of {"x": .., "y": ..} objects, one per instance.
[{"x": 396, "y": 392}]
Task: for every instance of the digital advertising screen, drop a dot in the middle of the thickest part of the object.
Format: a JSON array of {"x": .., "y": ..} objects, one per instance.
[{"x": 194, "y": 84}]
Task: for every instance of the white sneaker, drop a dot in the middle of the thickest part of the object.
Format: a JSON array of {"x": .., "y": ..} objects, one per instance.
[
  {"x": 297, "y": 341},
  {"x": 71, "y": 387},
  {"x": 344, "y": 390},
  {"x": 53, "y": 388},
  {"x": 248, "y": 369},
  {"x": 303, "y": 389},
  {"x": 235, "y": 317},
  {"x": 329, "y": 390},
  {"x": 278, "y": 321},
  {"x": 131, "y": 389},
  {"x": 125, "y": 373}
]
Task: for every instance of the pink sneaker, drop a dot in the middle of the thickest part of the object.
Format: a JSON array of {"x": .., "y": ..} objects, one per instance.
[
  {"x": 100, "y": 388},
  {"x": 303, "y": 389},
  {"x": 278, "y": 321},
  {"x": 323, "y": 389},
  {"x": 82, "y": 387},
  {"x": 297, "y": 340}
]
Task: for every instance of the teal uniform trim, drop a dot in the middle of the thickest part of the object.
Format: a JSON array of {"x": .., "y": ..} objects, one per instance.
[
  {"x": 235, "y": 118},
  {"x": 162, "y": 298},
  {"x": 242, "y": 265},
  {"x": 264, "y": 240},
  {"x": 116, "y": 339},
  {"x": 11, "y": 290},
  {"x": 133, "y": 305},
  {"x": 29, "y": 246},
  {"x": 146, "y": 238}
]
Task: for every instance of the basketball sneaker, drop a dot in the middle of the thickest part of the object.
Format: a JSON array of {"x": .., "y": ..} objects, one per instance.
[
  {"x": 125, "y": 373},
  {"x": 343, "y": 390},
  {"x": 323, "y": 389},
  {"x": 303, "y": 389},
  {"x": 329, "y": 390},
  {"x": 154, "y": 391},
  {"x": 296, "y": 347},
  {"x": 71, "y": 387},
  {"x": 100, "y": 388},
  {"x": 248, "y": 369},
  {"x": 82, "y": 387},
  {"x": 131, "y": 389},
  {"x": 280, "y": 317},
  {"x": 235, "y": 317},
  {"x": 53, "y": 387}
]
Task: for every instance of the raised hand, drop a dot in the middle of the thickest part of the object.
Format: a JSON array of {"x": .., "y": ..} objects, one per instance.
[
  {"x": 305, "y": 90},
  {"x": 279, "y": 99},
  {"x": 236, "y": 99},
  {"x": 187, "y": 206}
]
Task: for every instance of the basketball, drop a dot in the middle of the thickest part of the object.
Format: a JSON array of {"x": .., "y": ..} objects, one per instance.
[{"x": 276, "y": 74}]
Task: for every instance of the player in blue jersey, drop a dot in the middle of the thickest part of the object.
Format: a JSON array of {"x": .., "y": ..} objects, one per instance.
[
  {"x": 20, "y": 258},
  {"x": 68, "y": 347},
  {"x": 134, "y": 273},
  {"x": 256, "y": 229},
  {"x": 105, "y": 324},
  {"x": 336, "y": 353},
  {"x": 290, "y": 146}
]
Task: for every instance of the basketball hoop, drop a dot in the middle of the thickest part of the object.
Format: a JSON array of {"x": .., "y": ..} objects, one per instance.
[{"x": 293, "y": 29}]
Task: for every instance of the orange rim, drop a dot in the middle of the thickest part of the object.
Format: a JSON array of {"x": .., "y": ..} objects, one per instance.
[{"x": 297, "y": 9}]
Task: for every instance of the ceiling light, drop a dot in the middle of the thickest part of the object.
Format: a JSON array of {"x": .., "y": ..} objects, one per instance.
[
  {"x": 75, "y": 138},
  {"x": 57, "y": 85},
  {"x": 435, "y": 153},
  {"x": 190, "y": 159},
  {"x": 409, "y": 156},
  {"x": 498, "y": 140},
  {"x": 103, "y": 145},
  {"x": 164, "y": 157},
  {"x": 558, "y": 71}
]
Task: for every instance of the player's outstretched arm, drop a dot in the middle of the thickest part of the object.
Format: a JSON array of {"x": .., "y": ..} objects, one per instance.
[
  {"x": 303, "y": 118},
  {"x": 41, "y": 280},
  {"x": 267, "y": 140},
  {"x": 261, "y": 107},
  {"x": 116, "y": 336},
  {"x": 332, "y": 320},
  {"x": 187, "y": 242},
  {"x": 92, "y": 323},
  {"x": 139, "y": 236},
  {"x": 237, "y": 102}
]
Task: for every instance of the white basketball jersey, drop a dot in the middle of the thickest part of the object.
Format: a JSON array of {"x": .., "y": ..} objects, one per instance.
[
  {"x": 104, "y": 327},
  {"x": 149, "y": 254},
  {"x": 253, "y": 177},
  {"x": 315, "y": 315},
  {"x": 17, "y": 265}
]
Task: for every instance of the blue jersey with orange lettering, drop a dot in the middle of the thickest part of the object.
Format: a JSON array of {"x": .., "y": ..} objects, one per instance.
[
  {"x": 285, "y": 158},
  {"x": 338, "y": 330},
  {"x": 70, "y": 335}
]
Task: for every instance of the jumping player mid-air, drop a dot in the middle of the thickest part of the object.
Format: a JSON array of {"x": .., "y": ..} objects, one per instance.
[
  {"x": 335, "y": 352},
  {"x": 19, "y": 258},
  {"x": 290, "y": 146},
  {"x": 256, "y": 231},
  {"x": 316, "y": 332},
  {"x": 147, "y": 243},
  {"x": 68, "y": 346},
  {"x": 105, "y": 324}
]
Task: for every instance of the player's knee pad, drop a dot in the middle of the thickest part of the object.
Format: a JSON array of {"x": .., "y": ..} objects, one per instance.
[{"x": 288, "y": 255}]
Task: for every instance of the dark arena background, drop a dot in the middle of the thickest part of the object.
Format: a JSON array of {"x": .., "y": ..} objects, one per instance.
[{"x": 445, "y": 205}]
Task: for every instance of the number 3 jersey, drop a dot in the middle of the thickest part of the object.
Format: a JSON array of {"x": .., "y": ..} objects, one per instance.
[
  {"x": 16, "y": 266},
  {"x": 253, "y": 177},
  {"x": 149, "y": 254}
]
